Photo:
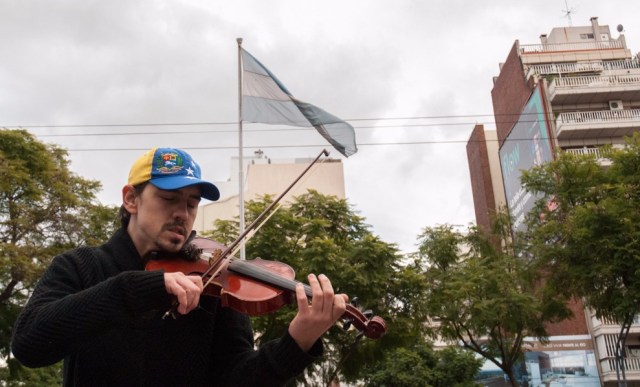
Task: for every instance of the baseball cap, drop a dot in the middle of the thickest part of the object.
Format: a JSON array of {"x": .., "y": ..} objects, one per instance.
[{"x": 170, "y": 169}]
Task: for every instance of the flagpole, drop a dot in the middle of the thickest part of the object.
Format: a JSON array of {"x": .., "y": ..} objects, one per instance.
[{"x": 240, "y": 150}]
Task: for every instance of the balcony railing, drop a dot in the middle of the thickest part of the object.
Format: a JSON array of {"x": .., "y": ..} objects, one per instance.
[
  {"x": 605, "y": 321},
  {"x": 631, "y": 362},
  {"x": 584, "y": 67},
  {"x": 605, "y": 335},
  {"x": 621, "y": 64},
  {"x": 611, "y": 123},
  {"x": 595, "y": 81},
  {"x": 594, "y": 89},
  {"x": 586, "y": 151},
  {"x": 596, "y": 152},
  {"x": 600, "y": 116},
  {"x": 578, "y": 46}
]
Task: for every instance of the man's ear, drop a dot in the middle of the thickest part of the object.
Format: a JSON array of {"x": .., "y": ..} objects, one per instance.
[{"x": 129, "y": 199}]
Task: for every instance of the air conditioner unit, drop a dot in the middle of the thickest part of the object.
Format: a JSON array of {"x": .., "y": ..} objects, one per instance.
[{"x": 615, "y": 105}]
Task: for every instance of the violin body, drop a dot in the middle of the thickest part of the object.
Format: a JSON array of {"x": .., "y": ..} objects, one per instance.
[
  {"x": 254, "y": 287},
  {"x": 243, "y": 294}
]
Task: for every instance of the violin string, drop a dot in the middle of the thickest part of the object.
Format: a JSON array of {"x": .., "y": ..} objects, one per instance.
[
  {"x": 246, "y": 239},
  {"x": 265, "y": 275},
  {"x": 232, "y": 254}
]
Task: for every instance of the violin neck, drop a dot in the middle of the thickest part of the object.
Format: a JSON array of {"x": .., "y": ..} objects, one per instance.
[
  {"x": 372, "y": 327},
  {"x": 265, "y": 276}
]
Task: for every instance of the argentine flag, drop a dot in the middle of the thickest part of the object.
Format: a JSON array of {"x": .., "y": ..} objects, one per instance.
[{"x": 266, "y": 100}]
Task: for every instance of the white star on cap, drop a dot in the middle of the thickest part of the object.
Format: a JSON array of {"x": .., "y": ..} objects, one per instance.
[{"x": 189, "y": 171}]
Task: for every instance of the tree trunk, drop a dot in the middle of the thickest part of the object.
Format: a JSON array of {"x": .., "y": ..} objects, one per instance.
[{"x": 512, "y": 379}]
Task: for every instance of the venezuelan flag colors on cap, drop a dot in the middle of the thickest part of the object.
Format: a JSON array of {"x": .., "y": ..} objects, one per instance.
[{"x": 170, "y": 169}]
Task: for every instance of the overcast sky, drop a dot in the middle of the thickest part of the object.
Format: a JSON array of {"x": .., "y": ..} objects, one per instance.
[{"x": 413, "y": 77}]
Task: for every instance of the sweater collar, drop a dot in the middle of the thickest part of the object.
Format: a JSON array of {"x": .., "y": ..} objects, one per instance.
[{"x": 124, "y": 252}]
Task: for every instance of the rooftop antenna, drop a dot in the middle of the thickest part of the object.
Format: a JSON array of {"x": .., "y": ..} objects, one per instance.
[{"x": 568, "y": 11}]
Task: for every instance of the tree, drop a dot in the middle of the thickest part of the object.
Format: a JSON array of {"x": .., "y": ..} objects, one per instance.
[
  {"x": 585, "y": 230},
  {"x": 322, "y": 234},
  {"x": 44, "y": 209},
  {"x": 483, "y": 294},
  {"x": 419, "y": 365}
]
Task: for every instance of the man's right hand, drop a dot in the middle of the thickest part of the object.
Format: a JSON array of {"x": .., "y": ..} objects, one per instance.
[{"x": 186, "y": 289}]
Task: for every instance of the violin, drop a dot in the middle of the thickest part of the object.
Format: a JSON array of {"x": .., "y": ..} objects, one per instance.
[{"x": 254, "y": 287}]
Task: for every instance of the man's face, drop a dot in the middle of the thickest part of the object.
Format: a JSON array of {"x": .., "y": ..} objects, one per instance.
[{"x": 161, "y": 220}]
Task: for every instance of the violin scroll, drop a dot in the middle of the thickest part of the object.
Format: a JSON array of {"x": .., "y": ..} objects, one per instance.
[{"x": 372, "y": 327}]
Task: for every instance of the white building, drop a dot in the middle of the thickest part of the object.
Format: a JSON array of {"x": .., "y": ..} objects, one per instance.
[{"x": 263, "y": 175}]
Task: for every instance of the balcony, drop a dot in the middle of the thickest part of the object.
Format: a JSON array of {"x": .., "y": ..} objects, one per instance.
[
  {"x": 606, "y": 326},
  {"x": 605, "y": 333},
  {"x": 574, "y": 46},
  {"x": 574, "y": 52},
  {"x": 594, "y": 89},
  {"x": 607, "y": 359},
  {"x": 563, "y": 69},
  {"x": 596, "y": 152},
  {"x": 597, "y": 124}
]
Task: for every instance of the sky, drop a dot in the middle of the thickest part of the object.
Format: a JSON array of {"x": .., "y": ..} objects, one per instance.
[{"x": 107, "y": 80}]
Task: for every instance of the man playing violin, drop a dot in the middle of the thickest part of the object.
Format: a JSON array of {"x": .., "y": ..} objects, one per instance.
[{"x": 99, "y": 310}]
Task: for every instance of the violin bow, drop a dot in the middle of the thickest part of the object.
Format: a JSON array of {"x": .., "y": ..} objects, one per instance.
[
  {"x": 267, "y": 211},
  {"x": 223, "y": 259},
  {"x": 377, "y": 326}
]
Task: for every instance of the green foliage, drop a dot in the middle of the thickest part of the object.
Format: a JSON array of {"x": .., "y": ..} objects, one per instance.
[
  {"x": 44, "y": 209},
  {"x": 421, "y": 366},
  {"x": 323, "y": 235},
  {"x": 482, "y": 292},
  {"x": 586, "y": 228},
  {"x": 15, "y": 374}
]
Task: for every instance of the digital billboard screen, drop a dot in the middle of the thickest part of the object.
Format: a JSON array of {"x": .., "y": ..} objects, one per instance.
[{"x": 528, "y": 144}]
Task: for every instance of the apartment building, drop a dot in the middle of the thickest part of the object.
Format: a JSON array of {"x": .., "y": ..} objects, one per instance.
[
  {"x": 263, "y": 175},
  {"x": 575, "y": 90}
]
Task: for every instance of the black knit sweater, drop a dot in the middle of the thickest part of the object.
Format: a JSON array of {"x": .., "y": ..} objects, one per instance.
[{"x": 100, "y": 311}]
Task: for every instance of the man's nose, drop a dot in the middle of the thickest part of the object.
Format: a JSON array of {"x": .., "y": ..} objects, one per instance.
[{"x": 181, "y": 211}]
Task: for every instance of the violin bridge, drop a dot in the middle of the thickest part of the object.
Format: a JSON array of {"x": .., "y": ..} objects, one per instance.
[{"x": 214, "y": 256}]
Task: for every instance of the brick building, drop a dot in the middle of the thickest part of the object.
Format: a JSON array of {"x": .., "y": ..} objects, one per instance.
[{"x": 578, "y": 89}]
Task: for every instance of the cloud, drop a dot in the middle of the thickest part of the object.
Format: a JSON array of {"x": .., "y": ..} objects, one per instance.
[{"x": 370, "y": 61}]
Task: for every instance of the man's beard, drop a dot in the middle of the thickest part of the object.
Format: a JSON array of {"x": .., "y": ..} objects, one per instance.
[{"x": 179, "y": 228}]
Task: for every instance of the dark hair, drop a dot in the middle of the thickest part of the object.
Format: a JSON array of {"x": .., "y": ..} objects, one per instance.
[{"x": 123, "y": 214}]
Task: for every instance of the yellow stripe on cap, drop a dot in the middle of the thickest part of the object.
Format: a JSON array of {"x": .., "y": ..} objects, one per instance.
[{"x": 141, "y": 169}]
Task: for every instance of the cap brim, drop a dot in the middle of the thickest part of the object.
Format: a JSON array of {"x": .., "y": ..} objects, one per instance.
[{"x": 207, "y": 190}]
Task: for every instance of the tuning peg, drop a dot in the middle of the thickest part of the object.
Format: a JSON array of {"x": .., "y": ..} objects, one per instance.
[
  {"x": 355, "y": 301},
  {"x": 368, "y": 313}
]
